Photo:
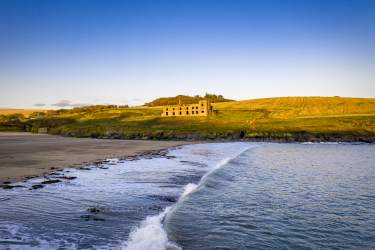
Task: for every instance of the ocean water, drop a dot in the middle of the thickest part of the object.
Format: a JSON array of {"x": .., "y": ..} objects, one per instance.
[{"x": 206, "y": 196}]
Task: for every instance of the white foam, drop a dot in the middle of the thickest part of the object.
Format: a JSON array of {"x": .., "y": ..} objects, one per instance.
[
  {"x": 150, "y": 235},
  {"x": 219, "y": 165},
  {"x": 189, "y": 188}
]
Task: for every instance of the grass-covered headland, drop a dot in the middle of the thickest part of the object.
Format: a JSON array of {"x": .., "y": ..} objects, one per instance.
[{"x": 269, "y": 119}]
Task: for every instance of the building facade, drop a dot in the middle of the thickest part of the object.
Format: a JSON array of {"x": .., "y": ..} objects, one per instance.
[{"x": 203, "y": 108}]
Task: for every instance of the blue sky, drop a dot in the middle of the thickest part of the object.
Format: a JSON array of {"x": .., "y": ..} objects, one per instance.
[{"x": 69, "y": 53}]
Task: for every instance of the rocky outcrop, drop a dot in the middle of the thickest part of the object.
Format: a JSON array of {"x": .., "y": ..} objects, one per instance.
[
  {"x": 181, "y": 136},
  {"x": 300, "y": 136},
  {"x": 158, "y": 136},
  {"x": 233, "y": 136},
  {"x": 170, "y": 137},
  {"x": 192, "y": 137},
  {"x": 50, "y": 181},
  {"x": 79, "y": 133}
]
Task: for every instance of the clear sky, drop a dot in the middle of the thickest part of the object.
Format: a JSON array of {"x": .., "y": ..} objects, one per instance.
[{"x": 69, "y": 53}]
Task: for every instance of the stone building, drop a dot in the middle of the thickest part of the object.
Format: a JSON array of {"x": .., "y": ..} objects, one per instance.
[{"x": 203, "y": 108}]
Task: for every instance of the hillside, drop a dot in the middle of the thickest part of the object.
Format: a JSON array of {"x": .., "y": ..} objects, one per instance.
[
  {"x": 287, "y": 107},
  {"x": 25, "y": 112},
  {"x": 277, "y": 119}
]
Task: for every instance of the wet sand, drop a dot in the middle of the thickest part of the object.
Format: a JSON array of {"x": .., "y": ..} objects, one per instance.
[{"x": 25, "y": 154}]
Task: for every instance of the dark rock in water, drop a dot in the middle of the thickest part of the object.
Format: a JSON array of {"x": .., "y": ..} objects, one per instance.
[
  {"x": 193, "y": 163},
  {"x": 10, "y": 187},
  {"x": 37, "y": 186},
  {"x": 157, "y": 208},
  {"x": 186, "y": 179},
  {"x": 7, "y": 182},
  {"x": 95, "y": 218},
  {"x": 164, "y": 198},
  {"x": 83, "y": 168},
  {"x": 30, "y": 177},
  {"x": 150, "y": 155},
  {"x": 50, "y": 181},
  {"x": 170, "y": 186},
  {"x": 54, "y": 173},
  {"x": 93, "y": 210},
  {"x": 170, "y": 199},
  {"x": 66, "y": 177},
  {"x": 86, "y": 217}
]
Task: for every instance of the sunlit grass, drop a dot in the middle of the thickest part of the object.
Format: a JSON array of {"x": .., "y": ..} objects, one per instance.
[{"x": 281, "y": 116}]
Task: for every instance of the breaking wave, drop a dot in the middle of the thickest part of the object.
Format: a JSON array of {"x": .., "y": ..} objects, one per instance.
[{"x": 151, "y": 235}]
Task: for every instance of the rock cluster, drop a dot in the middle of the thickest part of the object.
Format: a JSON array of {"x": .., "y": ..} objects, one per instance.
[{"x": 302, "y": 136}]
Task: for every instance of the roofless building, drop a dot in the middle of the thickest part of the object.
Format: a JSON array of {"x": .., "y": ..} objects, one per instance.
[{"x": 203, "y": 108}]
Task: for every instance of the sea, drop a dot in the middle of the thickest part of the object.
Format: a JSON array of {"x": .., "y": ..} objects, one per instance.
[{"x": 235, "y": 195}]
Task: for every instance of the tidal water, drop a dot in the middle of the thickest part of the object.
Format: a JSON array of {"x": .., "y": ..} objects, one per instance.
[{"x": 206, "y": 196}]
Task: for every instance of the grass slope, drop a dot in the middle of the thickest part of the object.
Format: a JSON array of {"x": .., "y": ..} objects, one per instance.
[
  {"x": 290, "y": 107},
  {"x": 25, "y": 112},
  {"x": 352, "y": 117}
]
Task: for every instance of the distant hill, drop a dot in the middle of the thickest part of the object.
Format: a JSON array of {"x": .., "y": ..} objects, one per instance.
[
  {"x": 25, "y": 112},
  {"x": 186, "y": 100},
  {"x": 286, "y": 119},
  {"x": 285, "y": 107}
]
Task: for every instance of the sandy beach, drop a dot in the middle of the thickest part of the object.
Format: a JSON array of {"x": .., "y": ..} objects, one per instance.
[{"x": 25, "y": 154}]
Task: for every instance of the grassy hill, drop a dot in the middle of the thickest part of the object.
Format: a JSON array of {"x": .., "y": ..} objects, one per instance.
[
  {"x": 25, "y": 112},
  {"x": 302, "y": 118},
  {"x": 290, "y": 107}
]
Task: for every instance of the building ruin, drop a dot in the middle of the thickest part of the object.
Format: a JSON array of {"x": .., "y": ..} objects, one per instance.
[{"x": 203, "y": 108}]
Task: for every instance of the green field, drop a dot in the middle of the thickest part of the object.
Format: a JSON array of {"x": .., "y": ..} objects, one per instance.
[{"x": 256, "y": 118}]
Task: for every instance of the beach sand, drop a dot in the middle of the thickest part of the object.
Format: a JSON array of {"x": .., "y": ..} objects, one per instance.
[{"x": 25, "y": 154}]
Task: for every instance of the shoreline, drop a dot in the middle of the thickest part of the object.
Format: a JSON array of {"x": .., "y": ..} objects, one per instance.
[
  {"x": 302, "y": 136},
  {"x": 25, "y": 155}
]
